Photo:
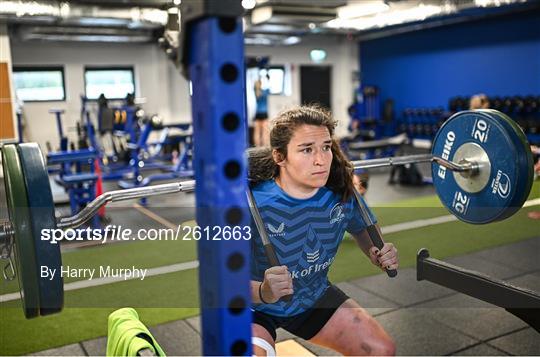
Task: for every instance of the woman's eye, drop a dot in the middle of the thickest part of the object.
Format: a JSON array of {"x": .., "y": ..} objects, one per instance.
[
  {"x": 307, "y": 150},
  {"x": 327, "y": 148}
]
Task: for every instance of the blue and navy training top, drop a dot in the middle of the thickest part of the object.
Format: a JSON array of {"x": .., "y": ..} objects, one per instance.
[{"x": 305, "y": 234}]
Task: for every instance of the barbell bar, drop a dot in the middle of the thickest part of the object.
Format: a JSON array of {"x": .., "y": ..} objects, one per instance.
[
  {"x": 482, "y": 170},
  {"x": 189, "y": 186}
]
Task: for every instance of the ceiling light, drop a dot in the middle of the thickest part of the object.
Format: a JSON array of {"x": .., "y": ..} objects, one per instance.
[
  {"x": 390, "y": 18},
  {"x": 364, "y": 8},
  {"x": 248, "y": 4},
  {"x": 154, "y": 15},
  {"x": 261, "y": 14},
  {"x": 31, "y": 8},
  {"x": 177, "y": 2},
  {"x": 64, "y": 9},
  {"x": 257, "y": 41},
  {"x": 482, "y": 3},
  {"x": 486, "y": 3},
  {"x": 291, "y": 40}
]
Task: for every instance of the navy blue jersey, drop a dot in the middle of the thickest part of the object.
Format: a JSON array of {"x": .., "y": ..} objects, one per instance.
[{"x": 305, "y": 234}]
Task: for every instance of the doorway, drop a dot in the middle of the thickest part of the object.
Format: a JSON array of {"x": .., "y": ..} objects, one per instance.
[{"x": 315, "y": 85}]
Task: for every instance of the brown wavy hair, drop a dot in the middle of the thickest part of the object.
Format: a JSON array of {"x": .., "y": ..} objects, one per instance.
[{"x": 263, "y": 167}]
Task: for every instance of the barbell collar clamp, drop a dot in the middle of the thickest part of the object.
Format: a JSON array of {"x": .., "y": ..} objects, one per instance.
[
  {"x": 6, "y": 233},
  {"x": 464, "y": 167}
]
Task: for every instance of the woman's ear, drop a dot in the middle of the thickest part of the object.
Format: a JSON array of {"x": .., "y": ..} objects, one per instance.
[{"x": 278, "y": 157}]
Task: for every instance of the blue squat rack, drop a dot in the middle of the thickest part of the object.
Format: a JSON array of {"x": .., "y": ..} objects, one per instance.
[{"x": 212, "y": 57}]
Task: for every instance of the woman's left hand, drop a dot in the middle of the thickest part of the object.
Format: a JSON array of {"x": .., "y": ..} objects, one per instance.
[{"x": 385, "y": 258}]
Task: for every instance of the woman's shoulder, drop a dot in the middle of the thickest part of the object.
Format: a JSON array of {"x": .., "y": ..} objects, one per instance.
[{"x": 265, "y": 189}]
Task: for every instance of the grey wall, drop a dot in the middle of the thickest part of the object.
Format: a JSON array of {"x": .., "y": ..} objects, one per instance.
[{"x": 157, "y": 80}]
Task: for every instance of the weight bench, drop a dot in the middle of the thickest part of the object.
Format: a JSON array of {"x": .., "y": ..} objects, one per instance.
[
  {"x": 391, "y": 144},
  {"x": 397, "y": 140},
  {"x": 355, "y": 149}
]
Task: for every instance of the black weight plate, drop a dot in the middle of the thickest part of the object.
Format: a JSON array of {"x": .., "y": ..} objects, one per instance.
[
  {"x": 41, "y": 208},
  {"x": 19, "y": 215}
]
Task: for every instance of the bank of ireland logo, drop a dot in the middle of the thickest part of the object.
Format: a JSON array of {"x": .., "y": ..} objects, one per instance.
[
  {"x": 336, "y": 214},
  {"x": 276, "y": 231},
  {"x": 313, "y": 256}
]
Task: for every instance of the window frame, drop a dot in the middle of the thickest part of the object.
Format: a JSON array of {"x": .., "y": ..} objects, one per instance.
[
  {"x": 109, "y": 68},
  {"x": 41, "y": 68},
  {"x": 282, "y": 68}
]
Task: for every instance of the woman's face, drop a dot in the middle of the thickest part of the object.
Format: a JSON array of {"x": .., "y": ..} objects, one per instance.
[{"x": 309, "y": 157}]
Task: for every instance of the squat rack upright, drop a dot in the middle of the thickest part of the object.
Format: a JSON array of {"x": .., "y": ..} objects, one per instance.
[{"x": 212, "y": 58}]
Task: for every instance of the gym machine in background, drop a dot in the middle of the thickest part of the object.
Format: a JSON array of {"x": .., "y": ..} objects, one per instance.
[
  {"x": 123, "y": 137},
  {"x": 365, "y": 114}
]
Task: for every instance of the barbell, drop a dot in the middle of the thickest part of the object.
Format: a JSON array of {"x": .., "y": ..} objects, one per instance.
[{"x": 482, "y": 169}]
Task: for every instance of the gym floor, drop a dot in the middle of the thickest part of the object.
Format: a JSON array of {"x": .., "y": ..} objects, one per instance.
[{"x": 422, "y": 317}]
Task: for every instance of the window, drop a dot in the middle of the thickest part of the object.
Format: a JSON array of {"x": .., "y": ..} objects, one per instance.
[
  {"x": 114, "y": 83},
  {"x": 273, "y": 78},
  {"x": 39, "y": 84}
]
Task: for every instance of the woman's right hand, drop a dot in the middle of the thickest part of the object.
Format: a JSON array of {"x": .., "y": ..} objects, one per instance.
[{"x": 277, "y": 283}]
